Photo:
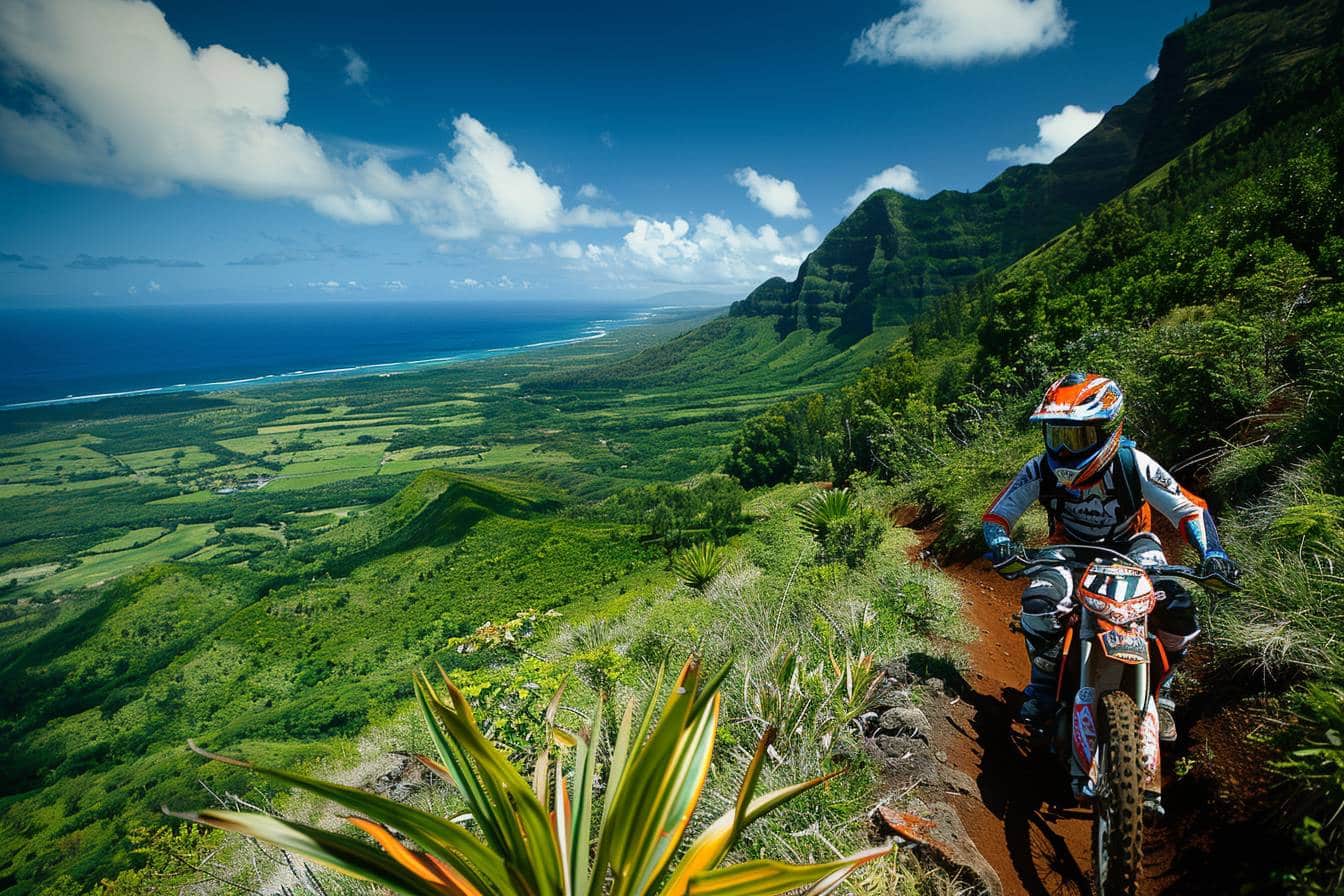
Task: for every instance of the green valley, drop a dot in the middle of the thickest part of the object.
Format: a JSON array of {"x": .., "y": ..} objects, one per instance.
[{"x": 264, "y": 570}]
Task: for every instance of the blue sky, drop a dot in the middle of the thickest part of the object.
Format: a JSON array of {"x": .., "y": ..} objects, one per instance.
[{"x": 269, "y": 150}]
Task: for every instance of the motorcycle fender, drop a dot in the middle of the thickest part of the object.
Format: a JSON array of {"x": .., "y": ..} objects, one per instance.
[
  {"x": 1128, "y": 646},
  {"x": 1084, "y": 731},
  {"x": 1151, "y": 749}
]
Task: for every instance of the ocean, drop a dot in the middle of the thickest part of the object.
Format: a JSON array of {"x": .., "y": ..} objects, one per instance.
[{"x": 59, "y": 354}]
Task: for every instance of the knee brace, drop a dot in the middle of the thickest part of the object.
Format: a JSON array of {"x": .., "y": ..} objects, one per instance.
[{"x": 1044, "y": 602}]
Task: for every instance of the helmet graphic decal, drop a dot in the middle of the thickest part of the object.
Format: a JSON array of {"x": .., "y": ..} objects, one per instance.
[{"x": 1081, "y": 417}]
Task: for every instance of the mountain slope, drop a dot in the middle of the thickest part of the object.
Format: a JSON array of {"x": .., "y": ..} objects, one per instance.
[{"x": 879, "y": 265}]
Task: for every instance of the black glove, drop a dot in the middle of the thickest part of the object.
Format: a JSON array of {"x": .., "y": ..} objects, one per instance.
[
  {"x": 1218, "y": 565},
  {"x": 1004, "y": 551}
]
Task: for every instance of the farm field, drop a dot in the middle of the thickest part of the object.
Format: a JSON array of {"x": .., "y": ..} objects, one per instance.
[{"x": 91, "y": 492}]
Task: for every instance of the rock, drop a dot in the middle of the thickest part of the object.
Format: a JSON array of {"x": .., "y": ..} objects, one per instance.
[
  {"x": 908, "y": 760},
  {"x": 940, "y": 835},
  {"x": 934, "y": 684},
  {"x": 941, "y": 756},
  {"x": 889, "y": 693},
  {"x": 958, "y": 781},
  {"x": 904, "y": 719},
  {"x": 404, "y": 778},
  {"x": 961, "y": 857}
]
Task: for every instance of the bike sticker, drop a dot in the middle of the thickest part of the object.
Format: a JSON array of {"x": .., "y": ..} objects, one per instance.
[
  {"x": 1124, "y": 646},
  {"x": 1151, "y": 750},
  {"x": 1084, "y": 732}
]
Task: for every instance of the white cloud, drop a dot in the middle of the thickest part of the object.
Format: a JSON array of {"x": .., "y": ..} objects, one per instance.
[
  {"x": 958, "y": 32},
  {"x": 356, "y": 68},
  {"x": 123, "y": 101},
  {"x": 584, "y": 216},
  {"x": 1056, "y": 133},
  {"x": 394, "y": 285},
  {"x": 712, "y": 251},
  {"x": 1150, "y": 72},
  {"x": 900, "y": 178},
  {"x": 568, "y": 249},
  {"x": 591, "y": 192},
  {"x": 154, "y": 286},
  {"x": 778, "y": 197},
  {"x": 132, "y": 289}
]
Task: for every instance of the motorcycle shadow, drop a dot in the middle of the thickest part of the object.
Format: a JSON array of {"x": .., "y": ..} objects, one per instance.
[{"x": 1046, "y": 835}]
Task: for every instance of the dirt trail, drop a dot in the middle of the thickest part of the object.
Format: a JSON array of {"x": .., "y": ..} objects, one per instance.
[{"x": 1213, "y": 838}]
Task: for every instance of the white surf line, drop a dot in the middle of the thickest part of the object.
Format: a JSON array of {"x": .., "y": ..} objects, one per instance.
[{"x": 591, "y": 332}]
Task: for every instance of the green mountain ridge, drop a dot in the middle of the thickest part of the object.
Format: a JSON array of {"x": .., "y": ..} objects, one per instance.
[{"x": 881, "y": 264}]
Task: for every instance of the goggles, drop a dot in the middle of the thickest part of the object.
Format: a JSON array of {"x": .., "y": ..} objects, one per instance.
[{"x": 1074, "y": 439}]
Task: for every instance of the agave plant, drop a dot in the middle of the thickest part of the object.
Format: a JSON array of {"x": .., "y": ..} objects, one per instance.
[
  {"x": 823, "y": 509},
  {"x": 536, "y": 838},
  {"x": 698, "y": 565}
]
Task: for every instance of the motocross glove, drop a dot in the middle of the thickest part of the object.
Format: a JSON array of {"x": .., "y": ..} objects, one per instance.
[
  {"x": 1002, "y": 551},
  {"x": 1220, "y": 565}
]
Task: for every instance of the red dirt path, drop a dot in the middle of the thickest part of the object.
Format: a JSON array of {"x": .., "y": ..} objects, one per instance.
[{"x": 1213, "y": 840}]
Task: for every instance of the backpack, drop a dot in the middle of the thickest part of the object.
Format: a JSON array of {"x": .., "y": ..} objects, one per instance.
[{"x": 1128, "y": 487}]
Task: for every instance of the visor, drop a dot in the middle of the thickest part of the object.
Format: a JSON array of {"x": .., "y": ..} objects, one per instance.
[{"x": 1074, "y": 439}]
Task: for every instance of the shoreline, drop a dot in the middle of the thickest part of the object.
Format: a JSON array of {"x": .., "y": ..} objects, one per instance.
[{"x": 594, "y": 330}]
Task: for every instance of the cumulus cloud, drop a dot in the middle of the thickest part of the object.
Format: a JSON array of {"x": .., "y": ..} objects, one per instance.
[
  {"x": 711, "y": 251},
  {"x": 591, "y": 192},
  {"x": 959, "y": 32},
  {"x": 153, "y": 286},
  {"x": 1056, "y": 133},
  {"x": 569, "y": 249},
  {"x": 778, "y": 197},
  {"x": 356, "y": 69},
  {"x": 394, "y": 285},
  {"x": 1150, "y": 72},
  {"x": 900, "y": 178},
  {"x": 118, "y": 99}
]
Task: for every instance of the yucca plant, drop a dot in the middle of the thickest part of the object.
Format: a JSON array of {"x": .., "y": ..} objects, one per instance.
[
  {"x": 823, "y": 509},
  {"x": 535, "y": 838},
  {"x": 698, "y": 565}
]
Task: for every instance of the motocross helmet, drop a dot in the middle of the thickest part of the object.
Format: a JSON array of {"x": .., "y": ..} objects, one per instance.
[{"x": 1081, "y": 416}]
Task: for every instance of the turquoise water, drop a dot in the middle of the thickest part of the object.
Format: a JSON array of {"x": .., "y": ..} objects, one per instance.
[{"x": 52, "y": 355}]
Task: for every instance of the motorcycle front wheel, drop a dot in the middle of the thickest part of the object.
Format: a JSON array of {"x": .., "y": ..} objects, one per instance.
[{"x": 1117, "y": 821}]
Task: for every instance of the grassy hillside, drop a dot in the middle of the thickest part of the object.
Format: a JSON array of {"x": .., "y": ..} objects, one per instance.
[
  {"x": 893, "y": 252},
  {"x": 263, "y": 570},
  {"x": 97, "y": 708},
  {"x": 1211, "y": 291}
]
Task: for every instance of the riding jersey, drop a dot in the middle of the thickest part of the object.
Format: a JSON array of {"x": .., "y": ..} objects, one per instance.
[{"x": 1104, "y": 511}]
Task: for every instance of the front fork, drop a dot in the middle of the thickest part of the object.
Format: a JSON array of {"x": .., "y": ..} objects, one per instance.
[{"x": 1099, "y": 674}]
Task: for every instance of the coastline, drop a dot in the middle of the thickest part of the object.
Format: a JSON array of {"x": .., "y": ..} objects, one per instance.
[{"x": 593, "y": 330}]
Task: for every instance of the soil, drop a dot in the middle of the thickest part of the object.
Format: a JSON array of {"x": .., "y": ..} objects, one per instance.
[{"x": 1219, "y": 835}]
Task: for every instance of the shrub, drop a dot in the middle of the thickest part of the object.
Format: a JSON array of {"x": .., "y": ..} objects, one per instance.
[
  {"x": 846, "y": 531},
  {"x": 851, "y": 539},
  {"x": 535, "y": 838},
  {"x": 823, "y": 509},
  {"x": 1315, "y": 768},
  {"x": 698, "y": 565}
]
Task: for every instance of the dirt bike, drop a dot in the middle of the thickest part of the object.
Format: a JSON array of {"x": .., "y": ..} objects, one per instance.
[{"x": 1106, "y": 727}]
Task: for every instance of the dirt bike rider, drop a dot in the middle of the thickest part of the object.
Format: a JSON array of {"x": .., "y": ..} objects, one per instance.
[{"x": 1098, "y": 488}]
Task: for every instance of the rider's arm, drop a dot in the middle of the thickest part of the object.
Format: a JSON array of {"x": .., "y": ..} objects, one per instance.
[
  {"x": 1187, "y": 512},
  {"x": 1005, "y": 510}
]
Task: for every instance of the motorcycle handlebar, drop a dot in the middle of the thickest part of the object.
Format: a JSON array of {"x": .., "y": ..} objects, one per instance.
[{"x": 1079, "y": 556}]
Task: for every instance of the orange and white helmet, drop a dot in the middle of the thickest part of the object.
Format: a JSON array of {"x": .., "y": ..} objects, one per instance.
[{"x": 1081, "y": 416}]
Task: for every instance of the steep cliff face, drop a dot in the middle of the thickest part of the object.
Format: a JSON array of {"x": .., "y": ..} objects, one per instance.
[{"x": 891, "y": 253}]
